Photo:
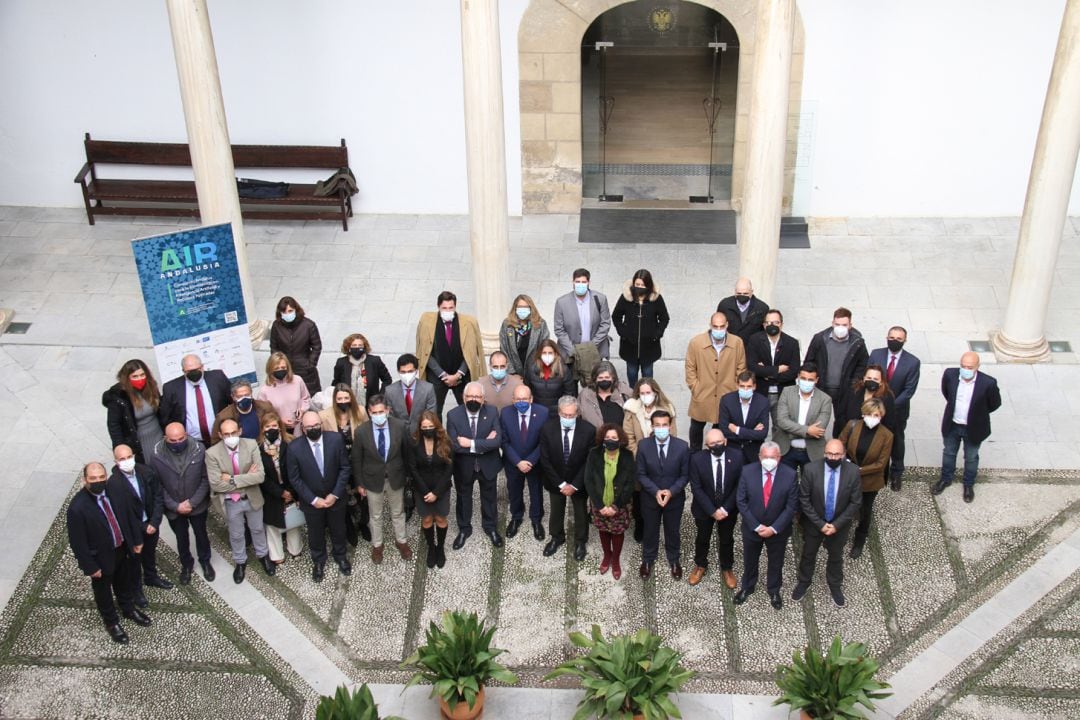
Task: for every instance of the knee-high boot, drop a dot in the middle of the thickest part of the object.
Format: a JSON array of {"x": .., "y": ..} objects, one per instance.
[
  {"x": 432, "y": 552},
  {"x": 440, "y": 557}
]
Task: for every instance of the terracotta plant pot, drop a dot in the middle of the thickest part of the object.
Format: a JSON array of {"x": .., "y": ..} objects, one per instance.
[
  {"x": 461, "y": 710},
  {"x": 803, "y": 715}
]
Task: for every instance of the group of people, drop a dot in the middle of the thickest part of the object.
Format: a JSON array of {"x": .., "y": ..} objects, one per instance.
[{"x": 550, "y": 413}]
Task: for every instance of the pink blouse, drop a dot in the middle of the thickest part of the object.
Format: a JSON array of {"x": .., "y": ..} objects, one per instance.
[{"x": 290, "y": 400}]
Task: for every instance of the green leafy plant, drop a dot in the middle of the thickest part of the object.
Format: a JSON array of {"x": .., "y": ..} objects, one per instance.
[
  {"x": 831, "y": 685},
  {"x": 457, "y": 659},
  {"x": 624, "y": 676},
  {"x": 357, "y": 705}
]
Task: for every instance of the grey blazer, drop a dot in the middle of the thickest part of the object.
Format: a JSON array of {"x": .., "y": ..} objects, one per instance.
[
  {"x": 568, "y": 327},
  {"x": 369, "y": 470},
  {"x": 508, "y": 344},
  {"x": 787, "y": 421},
  {"x": 423, "y": 399}
]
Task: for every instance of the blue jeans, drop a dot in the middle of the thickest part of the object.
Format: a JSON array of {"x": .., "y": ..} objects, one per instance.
[
  {"x": 632, "y": 370},
  {"x": 948, "y": 456},
  {"x": 795, "y": 458}
]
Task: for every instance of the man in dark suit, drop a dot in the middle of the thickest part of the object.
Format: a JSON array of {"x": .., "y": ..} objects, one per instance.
[
  {"x": 744, "y": 418},
  {"x": 970, "y": 397},
  {"x": 565, "y": 442},
  {"x": 475, "y": 436},
  {"x": 102, "y": 529},
  {"x": 830, "y": 496},
  {"x": 409, "y": 397},
  {"x": 839, "y": 354},
  {"x": 138, "y": 485},
  {"x": 521, "y": 424},
  {"x": 714, "y": 477},
  {"x": 902, "y": 371},
  {"x": 379, "y": 458},
  {"x": 767, "y": 497},
  {"x": 194, "y": 399},
  {"x": 745, "y": 312},
  {"x": 663, "y": 472},
  {"x": 773, "y": 356},
  {"x": 319, "y": 473}
]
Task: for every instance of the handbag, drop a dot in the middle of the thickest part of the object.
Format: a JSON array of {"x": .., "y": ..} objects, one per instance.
[{"x": 294, "y": 516}]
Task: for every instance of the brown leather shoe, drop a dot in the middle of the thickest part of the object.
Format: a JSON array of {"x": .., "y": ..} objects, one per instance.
[
  {"x": 376, "y": 554},
  {"x": 696, "y": 574},
  {"x": 403, "y": 548},
  {"x": 729, "y": 579}
]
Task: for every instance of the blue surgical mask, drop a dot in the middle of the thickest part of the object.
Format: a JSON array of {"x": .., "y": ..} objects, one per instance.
[
  {"x": 288, "y": 317},
  {"x": 745, "y": 394},
  {"x": 522, "y": 406},
  {"x": 718, "y": 335},
  {"x": 806, "y": 386},
  {"x": 580, "y": 289},
  {"x": 498, "y": 374},
  {"x": 523, "y": 313},
  {"x": 568, "y": 423},
  {"x": 966, "y": 374},
  {"x": 661, "y": 433},
  {"x": 379, "y": 419}
]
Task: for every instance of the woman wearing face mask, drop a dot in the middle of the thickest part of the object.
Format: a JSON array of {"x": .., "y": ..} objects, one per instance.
[
  {"x": 873, "y": 386},
  {"x": 869, "y": 445},
  {"x": 521, "y": 334},
  {"x": 344, "y": 417},
  {"x": 637, "y": 425},
  {"x": 610, "y": 479},
  {"x": 132, "y": 405},
  {"x": 364, "y": 373},
  {"x": 297, "y": 337},
  {"x": 431, "y": 466},
  {"x": 548, "y": 378},
  {"x": 602, "y": 400},
  {"x": 640, "y": 318},
  {"x": 276, "y": 490},
  {"x": 285, "y": 391}
]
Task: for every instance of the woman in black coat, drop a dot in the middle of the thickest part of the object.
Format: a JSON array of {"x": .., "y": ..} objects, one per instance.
[
  {"x": 610, "y": 470},
  {"x": 640, "y": 319},
  {"x": 873, "y": 386},
  {"x": 431, "y": 466},
  {"x": 276, "y": 490},
  {"x": 296, "y": 335},
  {"x": 548, "y": 377},
  {"x": 365, "y": 373},
  {"x": 132, "y": 405}
]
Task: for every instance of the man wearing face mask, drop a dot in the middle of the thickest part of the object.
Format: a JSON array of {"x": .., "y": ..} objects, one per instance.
[
  {"x": 565, "y": 441},
  {"x": 475, "y": 437},
  {"x": 767, "y": 497},
  {"x": 840, "y": 355},
  {"x": 902, "y": 372},
  {"x": 409, "y": 396},
  {"x": 521, "y": 424},
  {"x": 138, "y": 485},
  {"x": 970, "y": 397},
  {"x": 714, "y": 479},
  {"x": 582, "y": 319},
  {"x": 102, "y": 530},
  {"x": 744, "y": 418},
  {"x": 663, "y": 470},
  {"x": 500, "y": 384},
  {"x": 449, "y": 349},
  {"x": 802, "y": 414},
  {"x": 235, "y": 471},
  {"x": 744, "y": 311},
  {"x": 194, "y": 399},
  {"x": 773, "y": 356},
  {"x": 180, "y": 463},
  {"x": 245, "y": 411},
  {"x": 379, "y": 451},
  {"x": 714, "y": 361},
  {"x": 830, "y": 496}
]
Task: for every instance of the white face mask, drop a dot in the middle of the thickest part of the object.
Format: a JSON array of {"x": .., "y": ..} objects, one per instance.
[
  {"x": 408, "y": 378},
  {"x": 447, "y": 315},
  {"x": 769, "y": 464},
  {"x": 547, "y": 359},
  {"x": 232, "y": 442},
  {"x": 840, "y": 331},
  {"x": 871, "y": 421},
  {"x": 647, "y": 399},
  {"x": 127, "y": 466}
]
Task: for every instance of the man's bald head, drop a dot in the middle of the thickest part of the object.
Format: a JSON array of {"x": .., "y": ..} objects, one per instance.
[
  {"x": 122, "y": 452},
  {"x": 834, "y": 447},
  {"x": 522, "y": 392},
  {"x": 190, "y": 362},
  {"x": 743, "y": 286},
  {"x": 970, "y": 360},
  {"x": 714, "y": 437},
  {"x": 175, "y": 432}
]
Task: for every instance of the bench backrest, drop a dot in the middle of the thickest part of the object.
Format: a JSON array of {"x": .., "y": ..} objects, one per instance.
[{"x": 244, "y": 156}]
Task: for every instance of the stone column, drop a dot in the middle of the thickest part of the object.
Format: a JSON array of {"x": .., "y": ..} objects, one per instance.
[
  {"x": 485, "y": 152},
  {"x": 1021, "y": 338},
  {"x": 763, "y": 189},
  {"x": 208, "y": 135}
]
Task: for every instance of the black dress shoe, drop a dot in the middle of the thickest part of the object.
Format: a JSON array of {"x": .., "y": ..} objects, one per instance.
[
  {"x": 676, "y": 572},
  {"x": 552, "y": 547},
  {"x": 969, "y": 493},
  {"x": 579, "y": 551},
  {"x": 639, "y": 532},
  {"x": 838, "y": 597},
  {"x": 645, "y": 570},
  {"x": 459, "y": 541},
  {"x": 538, "y": 530},
  {"x": 799, "y": 592},
  {"x": 138, "y": 617},
  {"x": 208, "y": 571},
  {"x": 856, "y": 551},
  {"x": 117, "y": 634},
  {"x": 776, "y": 601},
  {"x": 495, "y": 538},
  {"x": 317, "y": 572},
  {"x": 512, "y": 528},
  {"x": 238, "y": 573},
  {"x": 344, "y": 566},
  {"x": 939, "y": 486},
  {"x": 142, "y": 602},
  {"x": 159, "y": 582},
  {"x": 185, "y": 576},
  {"x": 895, "y": 483},
  {"x": 268, "y": 565},
  {"x": 740, "y": 597}
]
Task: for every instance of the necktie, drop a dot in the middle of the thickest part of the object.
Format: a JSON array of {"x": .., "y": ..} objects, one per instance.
[
  {"x": 200, "y": 406},
  {"x": 472, "y": 426},
  {"x": 566, "y": 446},
  {"x": 524, "y": 429},
  {"x": 892, "y": 367},
  {"x": 448, "y": 328},
  {"x": 662, "y": 447},
  {"x": 766, "y": 491},
  {"x": 476, "y": 458},
  {"x": 718, "y": 478},
  {"x": 382, "y": 443},
  {"x": 408, "y": 400},
  {"x": 830, "y": 497},
  {"x": 235, "y": 497},
  {"x": 118, "y": 538},
  {"x": 316, "y": 449}
]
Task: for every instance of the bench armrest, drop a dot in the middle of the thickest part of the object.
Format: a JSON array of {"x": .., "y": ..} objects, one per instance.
[{"x": 81, "y": 177}]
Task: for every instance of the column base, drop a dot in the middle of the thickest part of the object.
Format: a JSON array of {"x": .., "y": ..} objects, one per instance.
[
  {"x": 257, "y": 331},
  {"x": 1007, "y": 350},
  {"x": 6, "y": 316}
]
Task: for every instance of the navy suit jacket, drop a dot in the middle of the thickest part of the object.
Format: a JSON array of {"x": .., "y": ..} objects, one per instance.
[
  {"x": 556, "y": 471},
  {"x": 985, "y": 399},
  {"x": 150, "y": 499},
  {"x": 675, "y": 473},
  {"x": 701, "y": 483},
  {"x": 782, "y": 502},
  {"x": 90, "y": 536},
  {"x": 905, "y": 379},
  {"x": 731, "y": 412},
  {"x": 173, "y": 405},
  {"x": 514, "y": 448},
  {"x": 487, "y": 451},
  {"x": 304, "y": 473}
]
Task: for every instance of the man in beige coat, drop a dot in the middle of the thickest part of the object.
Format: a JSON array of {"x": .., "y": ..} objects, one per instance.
[
  {"x": 235, "y": 471},
  {"x": 449, "y": 348},
  {"x": 714, "y": 360}
]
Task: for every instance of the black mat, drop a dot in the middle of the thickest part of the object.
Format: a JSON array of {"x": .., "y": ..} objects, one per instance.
[{"x": 647, "y": 225}]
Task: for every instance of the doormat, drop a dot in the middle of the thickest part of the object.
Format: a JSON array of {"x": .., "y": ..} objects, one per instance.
[{"x": 652, "y": 226}]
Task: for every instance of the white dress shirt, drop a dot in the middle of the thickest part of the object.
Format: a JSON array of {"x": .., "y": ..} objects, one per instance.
[
  {"x": 135, "y": 488},
  {"x": 964, "y": 391},
  {"x": 804, "y": 412},
  {"x": 191, "y": 420}
]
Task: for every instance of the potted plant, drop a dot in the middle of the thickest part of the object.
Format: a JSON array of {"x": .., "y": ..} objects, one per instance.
[
  {"x": 457, "y": 659},
  {"x": 627, "y": 676},
  {"x": 357, "y": 705},
  {"x": 830, "y": 685}
]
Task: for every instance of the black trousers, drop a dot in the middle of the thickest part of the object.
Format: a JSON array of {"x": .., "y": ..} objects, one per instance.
[
  {"x": 671, "y": 517},
  {"x": 774, "y": 550},
  {"x": 725, "y": 540},
  {"x": 356, "y": 516},
  {"x": 866, "y": 514},
  {"x": 898, "y": 443},
  {"x": 834, "y": 544},
  {"x": 697, "y": 434},
  {"x": 145, "y": 567},
  {"x": 750, "y": 449},
  {"x": 318, "y": 520},
  {"x": 557, "y": 521},
  {"x": 463, "y": 505},
  {"x": 441, "y": 390},
  {"x": 197, "y": 523},
  {"x": 119, "y": 583}
]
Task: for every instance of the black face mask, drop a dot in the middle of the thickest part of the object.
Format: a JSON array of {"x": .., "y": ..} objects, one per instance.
[
  {"x": 244, "y": 404},
  {"x": 833, "y": 462},
  {"x": 604, "y": 384},
  {"x": 638, "y": 292},
  {"x": 314, "y": 433},
  {"x": 895, "y": 346},
  {"x": 743, "y": 298},
  {"x": 611, "y": 444},
  {"x": 193, "y": 376},
  {"x": 717, "y": 450},
  {"x": 280, "y": 374},
  {"x": 357, "y": 353},
  {"x": 272, "y": 435},
  {"x": 772, "y": 330},
  {"x": 473, "y": 406},
  {"x": 95, "y": 488},
  {"x": 429, "y": 433},
  {"x": 871, "y": 385},
  {"x": 344, "y": 407},
  {"x": 177, "y": 447}
]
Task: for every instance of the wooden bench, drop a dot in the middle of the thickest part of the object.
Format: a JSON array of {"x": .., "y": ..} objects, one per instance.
[{"x": 106, "y": 196}]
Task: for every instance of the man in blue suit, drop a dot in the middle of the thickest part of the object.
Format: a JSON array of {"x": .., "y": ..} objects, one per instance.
[
  {"x": 714, "y": 477},
  {"x": 521, "y": 424},
  {"x": 663, "y": 471},
  {"x": 744, "y": 418},
  {"x": 902, "y": 372},
  {"x": 767, "y": 496},
  {"x": 319, "y": 471},
  {"x": 475, "y": 437},
  {"x": 970, "y": 397}
]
